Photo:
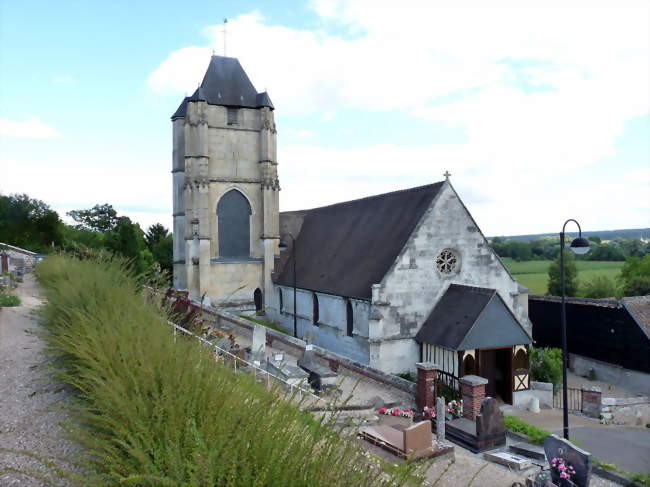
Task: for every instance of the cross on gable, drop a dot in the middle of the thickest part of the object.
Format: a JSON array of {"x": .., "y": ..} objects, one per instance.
[{"x": 446, "y": 175}]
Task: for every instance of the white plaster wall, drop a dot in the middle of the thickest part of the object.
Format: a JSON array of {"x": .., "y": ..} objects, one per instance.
[{"x": 413, "y": 285}]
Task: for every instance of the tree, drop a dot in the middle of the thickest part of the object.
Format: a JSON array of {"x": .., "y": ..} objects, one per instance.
[
  {"x": 635, "y": 276},
  {"x": 101, "y": 218},
  {"x": 126, "y": 238},
  {"x": 29, "y": 223},
  {"x": 570, "y": 276},
  {"x": 596, "y": 239},
  {"x": 160, "y": 244},
  {"x": 600, "y": 287}
]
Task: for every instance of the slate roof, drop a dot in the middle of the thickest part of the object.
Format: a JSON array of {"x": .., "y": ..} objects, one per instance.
[
  {"x": 344, "y": 249},
  {"x": 461, "y": 310},
  {"x": 639, "y": 308},
  {"x": 226, "y": 83}
]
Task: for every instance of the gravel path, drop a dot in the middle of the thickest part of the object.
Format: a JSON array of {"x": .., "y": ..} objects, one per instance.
[{"x": 30, "y": 404}]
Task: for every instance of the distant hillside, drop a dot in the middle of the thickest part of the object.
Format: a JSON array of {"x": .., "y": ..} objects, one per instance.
[{"x": 603, "y": 234}]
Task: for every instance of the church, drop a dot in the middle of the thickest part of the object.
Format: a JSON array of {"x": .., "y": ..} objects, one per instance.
[{"x": 387, "y": 281}]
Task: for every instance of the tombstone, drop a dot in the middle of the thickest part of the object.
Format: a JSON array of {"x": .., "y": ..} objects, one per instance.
[
  {"x": 580, "y": 460},
  {"x": 259, "y": 341},
  {"x": 440, "y": 418},
  {"x": 490, "y": 428},
  {"x": 320, "y": 377}
]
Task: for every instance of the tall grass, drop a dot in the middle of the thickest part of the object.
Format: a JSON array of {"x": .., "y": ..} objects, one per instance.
[{"x": 152, "y": 411}]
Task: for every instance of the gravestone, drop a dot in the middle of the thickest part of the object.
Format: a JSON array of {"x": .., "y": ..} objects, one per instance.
[
  {"x": 580, "y": 460},
  {"x": 490, "y": 427},
  {"x": 440, "y": 418},
  {"x": 259, "y": 341},
  {"x": 320, "y": 377}
]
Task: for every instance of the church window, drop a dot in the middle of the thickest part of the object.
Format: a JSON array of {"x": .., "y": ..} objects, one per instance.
[
  {"x": 232, "y": 116},
  {"x": 281, "y": 302},
  {"x": 447, "y": 262},
  {"x": 350, "y": 318},
  {"x": 233, "y": 215},
  {"x": 315, "y": 310}
]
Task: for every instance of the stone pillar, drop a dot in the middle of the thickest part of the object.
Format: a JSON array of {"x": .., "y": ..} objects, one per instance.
[
  {"x": 472, "y": 389},
  {"x": 440, "y": 418},
  {"x": 427, "y": 373},
  {"x": 591, "y": 400}
]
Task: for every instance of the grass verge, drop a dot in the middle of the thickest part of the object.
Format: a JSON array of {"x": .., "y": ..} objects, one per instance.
[
  {"x": 154, "y": 411},
  {"x": 264, "y": 323},
  {"x": 9, "y": 300}
]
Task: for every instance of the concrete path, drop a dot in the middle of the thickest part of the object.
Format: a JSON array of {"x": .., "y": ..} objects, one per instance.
[{"x": 625, "y": 446}]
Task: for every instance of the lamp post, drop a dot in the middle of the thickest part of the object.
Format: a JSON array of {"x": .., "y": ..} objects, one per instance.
[
  {"x": 283, "y": 246},
  {"x": 579, "y": 246}
]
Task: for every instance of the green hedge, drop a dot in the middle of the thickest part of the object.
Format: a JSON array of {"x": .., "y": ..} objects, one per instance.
[
  {"x": 535, "y": 434},
  {"x": 159, "y": 412},
  {"x": 9, "y": 300}
]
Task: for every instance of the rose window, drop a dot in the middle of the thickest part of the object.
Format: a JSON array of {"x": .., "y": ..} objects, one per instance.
[{"x": 447, "y": 262}]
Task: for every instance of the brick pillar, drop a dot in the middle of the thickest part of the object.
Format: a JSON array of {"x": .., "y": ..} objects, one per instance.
[
  {"x": 591, "y": 399},
  {"x": 472, "y": 389},
  {"x": 427, "y": 373}
]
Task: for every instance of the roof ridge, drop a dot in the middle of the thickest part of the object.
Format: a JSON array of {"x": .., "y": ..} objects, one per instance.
[{"x": 365, "y": 198}]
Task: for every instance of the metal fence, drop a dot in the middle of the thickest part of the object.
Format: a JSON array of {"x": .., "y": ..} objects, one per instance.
[
  {"x": 240, "y": 364},
  {"x": 574, "y": 397}
]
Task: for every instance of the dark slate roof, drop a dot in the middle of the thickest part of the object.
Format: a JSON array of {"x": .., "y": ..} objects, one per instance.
[
  {"x": 226, "y": 83},
  {"x": 471, "y": 317},
  {"x": 639, "y": 308},
  {"x": 344, "y": 249},
  {"x": 180, "y": 111}
]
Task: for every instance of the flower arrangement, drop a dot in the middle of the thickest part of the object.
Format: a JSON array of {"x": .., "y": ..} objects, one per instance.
[
  {"x": 404, "y": 413},
  {"x": 564, "y": 469},
  {"x": 455, "y": 408},
  {"x": 429, "y": 413}
]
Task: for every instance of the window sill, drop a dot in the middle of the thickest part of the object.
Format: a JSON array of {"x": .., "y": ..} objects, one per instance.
[{"x": 235, "y": 260}]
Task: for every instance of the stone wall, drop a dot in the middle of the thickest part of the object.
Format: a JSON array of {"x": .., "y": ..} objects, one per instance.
[
  {"x": 631, "y": 380},
  {"x": 626, "y": 410},
  {"x": 540, "y": 390},
  {"x": 413, "y": 285}
]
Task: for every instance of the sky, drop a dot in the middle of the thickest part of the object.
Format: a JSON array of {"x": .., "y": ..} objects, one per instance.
[{"x": 540, "y": 110}]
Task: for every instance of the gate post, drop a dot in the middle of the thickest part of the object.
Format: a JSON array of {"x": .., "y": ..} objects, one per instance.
[
  {"x": 591, "y": 397},
  {"x": 427, "y": 373},
  {"x": 472, "y": 389}
]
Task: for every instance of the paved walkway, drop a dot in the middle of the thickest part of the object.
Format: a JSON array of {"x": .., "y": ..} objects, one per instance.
[
  {"x": 625, "y": 446},
  {"x": 30, "y": 403}
]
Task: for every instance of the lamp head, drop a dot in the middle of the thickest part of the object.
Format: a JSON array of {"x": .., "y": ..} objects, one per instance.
[{"x": 580, "y": 246}]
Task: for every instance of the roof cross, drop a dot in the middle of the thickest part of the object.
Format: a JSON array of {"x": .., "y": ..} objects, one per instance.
[{"x": 446, "y": 175}]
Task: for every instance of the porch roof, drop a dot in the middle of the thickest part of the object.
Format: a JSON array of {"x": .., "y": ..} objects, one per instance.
[{"x": 472, "y": 317}]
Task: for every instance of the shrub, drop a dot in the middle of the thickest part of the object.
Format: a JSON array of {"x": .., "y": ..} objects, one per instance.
[
  {"x": 157, "y": 412},
  {"x": 546, "y": 365},
  {"x": 9, "y": 300}
]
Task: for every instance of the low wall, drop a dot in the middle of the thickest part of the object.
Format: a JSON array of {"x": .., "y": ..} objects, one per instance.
[
  {"x": 541, "y": 390},
  {"x": 626, "y": 410},
  {"x": 631, "y": 380},
  {"x": 334, "y": 361}
]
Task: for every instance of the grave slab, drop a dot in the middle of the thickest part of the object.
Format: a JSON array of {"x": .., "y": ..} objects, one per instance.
[
  {"x": 509, "y": 460},
  {"x": 528, "y": 450}
]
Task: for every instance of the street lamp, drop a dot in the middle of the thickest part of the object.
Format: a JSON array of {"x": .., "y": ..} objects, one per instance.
[
  {"x": 283, "y": 246},
  {"x": 579, "y": 246}
]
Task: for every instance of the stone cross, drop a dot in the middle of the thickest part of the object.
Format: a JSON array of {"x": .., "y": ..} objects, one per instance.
[
  {"x": 440, "y": 418},
  {"x": 446, "y": 175}
]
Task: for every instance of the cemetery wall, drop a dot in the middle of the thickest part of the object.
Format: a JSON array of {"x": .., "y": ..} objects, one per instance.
[
  {"x": 334, "y": 361},
  {"x": 626, "y": 410}
]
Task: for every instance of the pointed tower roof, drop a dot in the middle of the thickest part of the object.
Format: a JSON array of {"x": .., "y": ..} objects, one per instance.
[{"x": 226, "y": 83}]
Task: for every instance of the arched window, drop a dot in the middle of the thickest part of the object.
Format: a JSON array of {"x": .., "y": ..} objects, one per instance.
[
  {"x": 259, "y": 301},
  {"x": 233, "y": 214},
  {"x": 315, "y": 310},
  {"x": 469, "y": 365},
  {"x": 281, "y": 301},
  {"x": 350, "y": 318}
]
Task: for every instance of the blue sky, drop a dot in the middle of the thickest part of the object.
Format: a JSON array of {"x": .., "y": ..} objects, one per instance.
[{"x": 540, "y": 110}]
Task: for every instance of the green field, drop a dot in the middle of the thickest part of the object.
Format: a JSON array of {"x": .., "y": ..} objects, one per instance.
[{"x": 534, "y": 273}]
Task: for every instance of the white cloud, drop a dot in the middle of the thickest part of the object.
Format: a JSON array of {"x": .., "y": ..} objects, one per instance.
[
  {"x": 541, "y": 91},
  {"x": 29, "y": 129}
]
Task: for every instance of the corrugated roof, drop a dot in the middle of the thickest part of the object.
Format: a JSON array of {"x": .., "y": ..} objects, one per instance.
[
  {"x": 226, "y": 83},
  {"x": 344, "y": 249}
]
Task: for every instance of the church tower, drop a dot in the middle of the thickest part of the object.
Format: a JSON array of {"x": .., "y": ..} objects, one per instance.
[{"x": 226, "y": 188}]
